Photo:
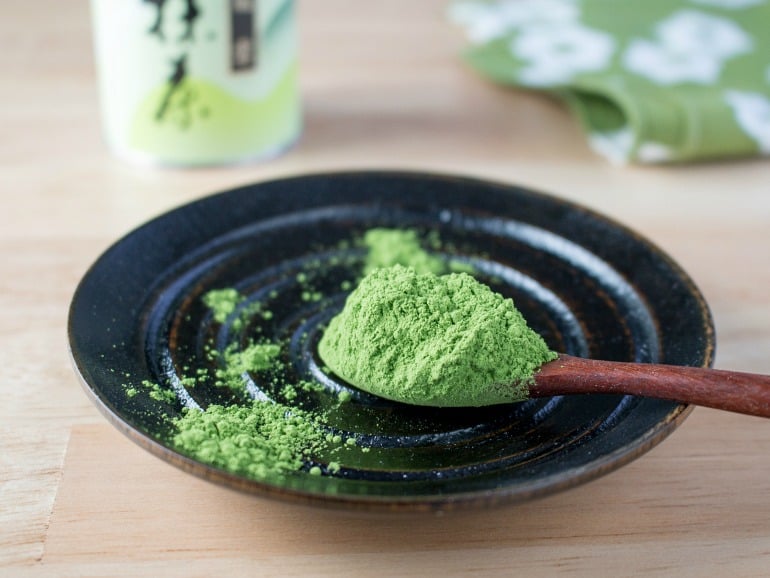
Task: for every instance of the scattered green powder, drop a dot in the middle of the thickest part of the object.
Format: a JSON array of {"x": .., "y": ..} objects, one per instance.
[
  {"x": 424, "y": 339},
  {"x": 260, "y": 441},
  {"x": 311, "y": 386},
  {"x": 311, "y": 296},
  {"x": 131, "y": 392},
  {"x": 255, "y": 357},
  {"x": 222, "y": 302},
  {"x": 289, "y": 392},
  {"x": 388, "y": 247},
  {"x": 265, "y": 439},
  {"x": 158, "y": 393},
  {"x": 456, "y": 266},
  {"x": 189, "y": 381}
]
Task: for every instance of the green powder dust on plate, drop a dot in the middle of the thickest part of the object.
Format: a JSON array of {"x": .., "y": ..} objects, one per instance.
[
  {"x": 388, "y": 247},
  {"x": 255, "y": 357},
  {"x": 222, "y": 302},
  {"x": 423, "y": 339},
  {"x": 260, "y": 441}
]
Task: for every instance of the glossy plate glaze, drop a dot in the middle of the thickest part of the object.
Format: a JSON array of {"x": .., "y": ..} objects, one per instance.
[{"x": 590, "y": 286}]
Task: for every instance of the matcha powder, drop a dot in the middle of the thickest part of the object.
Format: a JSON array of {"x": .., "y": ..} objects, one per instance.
[
  {"x": 261, "y": 441},
  {"x": 404, "y": 334},
  {"x": 388, "y": 247},
  {"x": 446, "y": 341}
]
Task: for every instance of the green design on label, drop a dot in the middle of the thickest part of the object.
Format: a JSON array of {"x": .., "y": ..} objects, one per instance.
[{"x": 205, "y": 124}]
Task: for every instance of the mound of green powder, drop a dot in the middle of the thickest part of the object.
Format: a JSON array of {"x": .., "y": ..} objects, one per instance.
[
  {"x": 446, "y": 341},
  {"x": 260, "y": 441},
  {"x": 388, "y": 247},
  {"x": 255, "y": 357}
]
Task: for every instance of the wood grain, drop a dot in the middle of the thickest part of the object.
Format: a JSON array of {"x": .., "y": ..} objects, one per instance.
[
  {"x": 672, "y": 521},
  {"x": 382, "y": 87},
  {"x": 737, "y": 391}
]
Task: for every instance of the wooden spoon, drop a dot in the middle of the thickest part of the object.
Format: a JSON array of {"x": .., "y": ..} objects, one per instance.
[{"x": 727, "y": 390}]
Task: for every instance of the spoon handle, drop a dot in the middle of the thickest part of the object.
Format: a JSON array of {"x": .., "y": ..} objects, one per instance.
[{"x": 727, "y": 390}]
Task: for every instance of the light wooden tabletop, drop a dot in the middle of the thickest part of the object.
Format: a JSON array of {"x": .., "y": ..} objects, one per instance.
[{"x": 382, "y": 87}]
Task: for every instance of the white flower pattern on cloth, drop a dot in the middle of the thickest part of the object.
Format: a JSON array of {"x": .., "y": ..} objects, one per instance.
[
  {"x": 553, "y": 55},
  {"x": 653, "y": 81},
  {"x": 691, "y": 46},
  {"x": 487, "y": 22},
  {"x": 654, "y": 152},
  {"x": 614, "y": 145},
  {"x": 729, "y": 4},
  {"x": 617, "y": 145},
  {"x": 752, "y": 113}
]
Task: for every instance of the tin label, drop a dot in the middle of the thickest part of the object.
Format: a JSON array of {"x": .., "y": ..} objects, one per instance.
[
  {"x": 197, "y": 81},
  {"x": 243, "y": 42}
]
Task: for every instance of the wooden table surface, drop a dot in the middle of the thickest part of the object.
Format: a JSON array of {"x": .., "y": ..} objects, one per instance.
[{"x": 382, "y": 87}]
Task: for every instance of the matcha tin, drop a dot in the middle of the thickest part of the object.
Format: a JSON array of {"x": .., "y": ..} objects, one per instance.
[{"x": 197, "y": 82}]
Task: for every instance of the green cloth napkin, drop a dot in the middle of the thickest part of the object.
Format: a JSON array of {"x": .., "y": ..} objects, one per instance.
[{"x": 650, "y": 80}]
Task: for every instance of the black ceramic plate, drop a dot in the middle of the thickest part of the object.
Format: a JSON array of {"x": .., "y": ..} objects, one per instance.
[{"x": 590, "y": 286}]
